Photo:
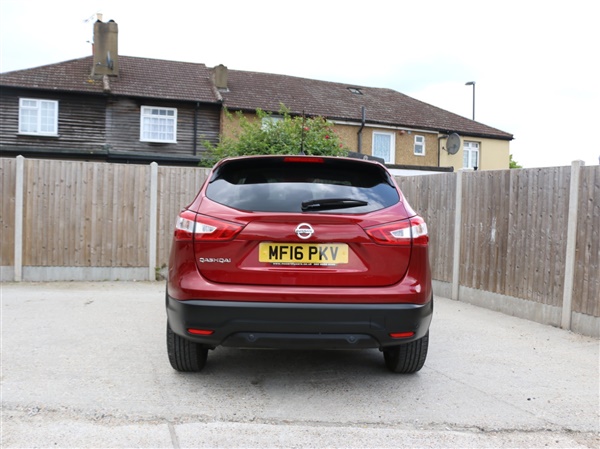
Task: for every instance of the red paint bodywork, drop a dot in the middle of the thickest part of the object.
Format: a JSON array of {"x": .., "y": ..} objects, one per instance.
[{"x": 374, "y": 274}]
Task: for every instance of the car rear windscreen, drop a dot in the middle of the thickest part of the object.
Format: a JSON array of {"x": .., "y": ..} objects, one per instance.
[{"x": 293, "y": 185}]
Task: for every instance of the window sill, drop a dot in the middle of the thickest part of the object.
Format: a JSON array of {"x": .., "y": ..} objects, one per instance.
[
  {"x": 158, "y": 141},
  {"x": 38, "y": 135}
]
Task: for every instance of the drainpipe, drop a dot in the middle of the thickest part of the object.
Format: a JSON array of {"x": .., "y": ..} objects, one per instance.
[
  {"x": 362, "y": 125},
  {"x": 439, "y": 149},
  {"x": 196, "y": 129}
]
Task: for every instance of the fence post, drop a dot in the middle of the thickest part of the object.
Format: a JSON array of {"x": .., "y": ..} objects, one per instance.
[
  {"x": 153, "y": 221},
  {"x": 19, "y": 180},
  {"x": 457, "y": 233},
  {"x": 567, "y": 307}
]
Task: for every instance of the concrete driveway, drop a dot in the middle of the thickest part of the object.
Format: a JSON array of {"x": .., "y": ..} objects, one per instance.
[{"x": 85, "y": 365}]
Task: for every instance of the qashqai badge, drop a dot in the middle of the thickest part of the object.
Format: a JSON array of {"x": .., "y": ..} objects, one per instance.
[{"x": 304, "y": 231}]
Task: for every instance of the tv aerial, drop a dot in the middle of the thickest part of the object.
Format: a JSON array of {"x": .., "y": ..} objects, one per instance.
[{"x": 109, "y": 62}]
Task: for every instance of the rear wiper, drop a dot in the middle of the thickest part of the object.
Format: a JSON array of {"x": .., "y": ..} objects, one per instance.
[{"x": 332, "y": 203}]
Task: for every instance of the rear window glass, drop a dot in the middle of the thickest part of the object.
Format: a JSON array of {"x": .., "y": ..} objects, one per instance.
[{"x": 274, "y": 185}]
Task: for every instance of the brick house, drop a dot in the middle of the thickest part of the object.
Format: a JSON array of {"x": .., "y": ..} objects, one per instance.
[{"x": 129, "y": 109}]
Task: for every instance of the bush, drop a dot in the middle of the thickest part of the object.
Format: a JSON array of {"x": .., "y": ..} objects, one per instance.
[
  {"x": 283, "y": 134},
  {"x": 512, "y": 163}
]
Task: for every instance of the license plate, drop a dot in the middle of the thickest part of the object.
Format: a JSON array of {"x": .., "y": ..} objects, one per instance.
[{"x": 303, "y": 253}]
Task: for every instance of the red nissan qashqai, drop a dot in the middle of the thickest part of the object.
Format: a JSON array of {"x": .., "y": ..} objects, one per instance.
[{"x": 299, "y": 252}]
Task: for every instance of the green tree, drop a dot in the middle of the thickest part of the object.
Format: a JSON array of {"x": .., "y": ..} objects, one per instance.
[
  {"x": 512, "y": 163},
  {"x": 284, "y": 134}
]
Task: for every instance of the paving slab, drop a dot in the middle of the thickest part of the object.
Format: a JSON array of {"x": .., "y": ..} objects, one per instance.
[{"x": 84, "y": 365}]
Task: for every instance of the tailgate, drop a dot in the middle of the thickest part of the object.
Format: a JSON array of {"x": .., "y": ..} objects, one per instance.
[{"x": 294, "y": 252}]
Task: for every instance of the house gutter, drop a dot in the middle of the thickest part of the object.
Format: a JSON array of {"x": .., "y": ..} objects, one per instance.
[{"x": 102, "y": 155}]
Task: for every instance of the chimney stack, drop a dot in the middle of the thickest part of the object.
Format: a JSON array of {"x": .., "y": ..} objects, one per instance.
[
  {"x": 221, "y": 77},
  {"x": 106, "y": 50}
]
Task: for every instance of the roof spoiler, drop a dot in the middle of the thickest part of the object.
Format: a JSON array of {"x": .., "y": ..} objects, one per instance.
[{"x": 366, "y": 157}]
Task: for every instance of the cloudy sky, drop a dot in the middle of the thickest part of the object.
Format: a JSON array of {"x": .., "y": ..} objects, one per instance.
[{"x": 535, "y": 63}]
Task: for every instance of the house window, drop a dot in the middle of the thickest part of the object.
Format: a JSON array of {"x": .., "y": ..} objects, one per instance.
[
  {"x": 158, "y": 124},
  {"x": 471, "y": 155},
  {"x": 270, "y": 120},
  {"x": 384, "y": 146},
  {"x": 38, "y": 117},
  {"x": 419, "y": 146}
]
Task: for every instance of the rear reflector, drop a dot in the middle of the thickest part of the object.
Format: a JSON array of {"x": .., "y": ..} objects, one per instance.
[
  {"x": 200, "y": 331},
  {"x": 402, "y": 334}
]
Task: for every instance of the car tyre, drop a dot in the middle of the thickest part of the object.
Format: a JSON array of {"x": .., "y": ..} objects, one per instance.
[
  {"x": 407, "y": 358},
  {"x": 185, "y": 355}
]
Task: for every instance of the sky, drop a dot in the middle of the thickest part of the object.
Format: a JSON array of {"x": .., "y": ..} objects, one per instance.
[{"x": 535, "y": 63}]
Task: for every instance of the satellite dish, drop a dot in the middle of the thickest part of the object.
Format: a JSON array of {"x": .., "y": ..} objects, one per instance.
[{"x": 453, "y": 143}]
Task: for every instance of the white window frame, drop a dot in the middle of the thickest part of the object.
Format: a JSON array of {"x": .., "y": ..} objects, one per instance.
[
  {"x": 420, "y": 144},
  {"x": 44, "y": 123},
  {"x": 270, "y": 120},
  {"x": 167, "y": 120},
  {"x": 471, "y": 154},
  {"x": 392, "y": 139}
]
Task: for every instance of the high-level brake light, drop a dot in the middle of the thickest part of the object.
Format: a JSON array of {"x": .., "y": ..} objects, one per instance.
[{"x": 309, "y": 159}]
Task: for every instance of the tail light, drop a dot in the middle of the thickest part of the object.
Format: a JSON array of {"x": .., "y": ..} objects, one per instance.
[
  {"x": 412, "y": 231},
  {"x": 203, "y": 228}
]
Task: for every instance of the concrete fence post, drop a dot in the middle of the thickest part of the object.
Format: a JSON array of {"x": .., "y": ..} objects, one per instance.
[
  {"x": 457, "y": 234},
  {"x": 19, "y": 180},
  {"x": 567, "y": 307},
  {"x": 153, "y": 221}
]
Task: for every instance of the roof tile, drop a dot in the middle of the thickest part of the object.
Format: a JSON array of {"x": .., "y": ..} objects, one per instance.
[
  {"x": 184, "y": 81},
  {"x": 252, "y": 90},
  {"x": 138, "y": 77}
]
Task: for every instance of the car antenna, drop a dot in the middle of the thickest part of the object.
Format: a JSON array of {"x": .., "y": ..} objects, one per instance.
[{"x": 302, "y": 135}]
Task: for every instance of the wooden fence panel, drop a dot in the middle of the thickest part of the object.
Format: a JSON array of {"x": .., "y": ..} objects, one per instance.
[
  {"x": 177, "y": 187},
  {"x": 484, "y": 229},
  {"x": 84, "y": 214},
  {"x": 8, "y": 168},
  {"x": 433, "y": 197},
  {"x": 586, "y": 286},
  {"x": 537, "y": 234}
]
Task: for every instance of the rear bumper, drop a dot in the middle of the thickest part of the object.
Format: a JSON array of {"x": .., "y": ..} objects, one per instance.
[{"x": 244, "y": 324}]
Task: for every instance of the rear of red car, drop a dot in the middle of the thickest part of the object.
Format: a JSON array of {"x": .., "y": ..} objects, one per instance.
[{"x": 299, "y": 252}]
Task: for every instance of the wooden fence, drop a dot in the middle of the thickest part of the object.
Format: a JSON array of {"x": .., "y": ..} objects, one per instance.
[
  {"x": 511, "y": 250},
  {"x": 84, "y": 220},
  {"x": 515, "y": 242}
]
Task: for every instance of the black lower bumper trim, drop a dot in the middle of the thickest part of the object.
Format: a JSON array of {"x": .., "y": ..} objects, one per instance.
[
  {"x": 298, "y": 325},
  {"x": 267, "y": 340}
]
